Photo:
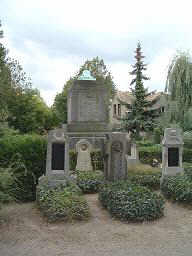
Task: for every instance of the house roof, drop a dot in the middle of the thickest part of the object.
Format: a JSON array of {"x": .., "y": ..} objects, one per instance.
[{"x": 127, "y": 97}]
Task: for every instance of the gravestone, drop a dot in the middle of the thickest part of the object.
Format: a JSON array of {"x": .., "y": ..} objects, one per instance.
[
  {"x": 172, "y": 152},
  {"x": 57, "y": 163},
  {"x": 83, "y": 148},
  {"x": 115, "y": 155}
]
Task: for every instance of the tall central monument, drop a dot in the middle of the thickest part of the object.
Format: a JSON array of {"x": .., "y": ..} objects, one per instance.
[{"x": 88, "y": 105}]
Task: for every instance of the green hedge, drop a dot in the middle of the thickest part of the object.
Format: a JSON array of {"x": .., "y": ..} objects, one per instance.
[
  {"x": 25, "y": 156},
  {"x": 147, "y": 154},
  {"x": 64, "y": 203},
  {"x": 150, "y": 181},
  {"x": 178, "y": 188},
  {"x": 130, "y": 202},
  {"x": 145, "y": 175},
  {"x": 90, "y": 181}
]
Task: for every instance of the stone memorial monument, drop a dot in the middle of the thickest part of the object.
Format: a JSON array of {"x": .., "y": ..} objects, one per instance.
[
  {"x": 87, "y": 129},
  {"x": 83, "y": 149},
  {"x": 172, "y": 152}
]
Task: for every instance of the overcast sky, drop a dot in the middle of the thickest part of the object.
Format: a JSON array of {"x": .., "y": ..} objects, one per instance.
[{"x": 52, "y": 39}]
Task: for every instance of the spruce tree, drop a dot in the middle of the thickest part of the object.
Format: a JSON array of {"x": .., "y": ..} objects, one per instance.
[{"x": 140, "y": 116}]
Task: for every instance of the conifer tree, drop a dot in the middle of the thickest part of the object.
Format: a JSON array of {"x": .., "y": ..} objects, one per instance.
[{"x": 140, "y": 116}]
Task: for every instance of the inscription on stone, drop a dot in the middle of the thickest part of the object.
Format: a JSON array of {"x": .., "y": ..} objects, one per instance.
[
  {"x": 173, "y": 157},
  {"x": 88, "y": 108},
  {"x": 58, "y": 156}
]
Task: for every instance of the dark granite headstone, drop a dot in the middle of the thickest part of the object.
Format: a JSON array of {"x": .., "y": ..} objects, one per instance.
[
  {"x": 173, "y": 157},
  {"x": 58, "y": 156}
]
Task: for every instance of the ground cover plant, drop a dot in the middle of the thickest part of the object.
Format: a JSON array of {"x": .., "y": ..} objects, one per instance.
[
  {"x": 90, "y": 181},
  {"x": 178, "y": 188},
  {"x": 145, "y": 175},
  {"x": 63, "y": 202},
  {"x": 130, "y": 202}
]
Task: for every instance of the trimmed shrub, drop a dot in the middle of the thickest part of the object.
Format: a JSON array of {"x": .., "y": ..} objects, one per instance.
[
  {"x": 130, "y": 202},
  {"x": 145, "y": 175},
  {"x": 89, "y": 181},
  {"x": 178, "y": 188},
  {"x": 187, "y": 155},
  {"x": 25, "y": 155},
  {"x": 150, "y": 181},
  {"x": 63, "y": 203}
]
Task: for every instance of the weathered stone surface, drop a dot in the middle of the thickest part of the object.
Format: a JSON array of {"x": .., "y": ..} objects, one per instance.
[
  {"x": 115, "y": 160},
  {"x": 132, "y": 159},
  {"x": 57, "y": 152},
  {"x": 83, "y": 148},
  {"x": 88, "y": 106},
  {"x": 172, "y": 152}
]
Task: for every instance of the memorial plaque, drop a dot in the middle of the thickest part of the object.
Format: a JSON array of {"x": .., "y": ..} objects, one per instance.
[
  {"x": 88, "y": 108},
  {"x": 173, "y": 157},
  {"x": 58, "y": 156}
]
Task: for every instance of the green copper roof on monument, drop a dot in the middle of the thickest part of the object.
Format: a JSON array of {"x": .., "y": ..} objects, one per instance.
[{"x": 86, "y": 75}]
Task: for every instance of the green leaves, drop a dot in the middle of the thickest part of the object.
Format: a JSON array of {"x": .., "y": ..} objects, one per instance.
[
  {"x": 90, "y": 181},
  {"x": 178, "y": 188},
  {"x": 62, "y": 202},
  {"x": 130, "y": 202}
]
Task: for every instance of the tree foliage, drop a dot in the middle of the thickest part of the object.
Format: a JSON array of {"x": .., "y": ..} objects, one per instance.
[
  {"x": 21, "y": 106},
  {"x": 140, "y": 116},
  {"x": 179, "y": 89}
]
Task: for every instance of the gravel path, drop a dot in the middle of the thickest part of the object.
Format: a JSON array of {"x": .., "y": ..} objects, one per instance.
[{"x": 24, "y": 232}]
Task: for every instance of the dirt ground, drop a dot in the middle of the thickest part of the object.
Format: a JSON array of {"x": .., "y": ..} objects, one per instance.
[{"x": 24, "y": 232}]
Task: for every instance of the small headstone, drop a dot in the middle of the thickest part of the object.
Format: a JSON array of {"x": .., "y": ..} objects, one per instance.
[
  {"x": 172, "y": 152},
  {"x": 83, "y": 148},
  {"x": 115, "y": 156}
]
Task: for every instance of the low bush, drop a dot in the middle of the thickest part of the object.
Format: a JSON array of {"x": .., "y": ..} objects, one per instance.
[
  {"x": 150, "y": 181},
  {"x": 25, "y": 156},
  {"x": 130, "y": 202},
  {"x": 90, "y": 181},
  {"x": 145, "y": 175},
  {"x": 63, "y": 203},
  {"x": 6, "y": 185},
  {"x": 178, "y": 188}
]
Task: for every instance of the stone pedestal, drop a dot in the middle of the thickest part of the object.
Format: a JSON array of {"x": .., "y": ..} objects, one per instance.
[
  {"x": 132, "y": 159},
  {"x": 172, "y": 152}
]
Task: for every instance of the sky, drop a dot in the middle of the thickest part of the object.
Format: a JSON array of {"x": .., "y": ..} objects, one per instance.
[{"x": 52, "y": 39}]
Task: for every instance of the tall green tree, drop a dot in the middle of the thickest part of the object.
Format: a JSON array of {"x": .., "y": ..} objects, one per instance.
[
  {"x": 99, "y": 70},
  {"x": 179, "y": 89},
  {"x": 21, "y": 106},
  {"x": 141, "y": 116}
]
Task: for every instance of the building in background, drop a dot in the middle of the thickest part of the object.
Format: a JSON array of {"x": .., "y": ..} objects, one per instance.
[{"x": 118, "y": 108}]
